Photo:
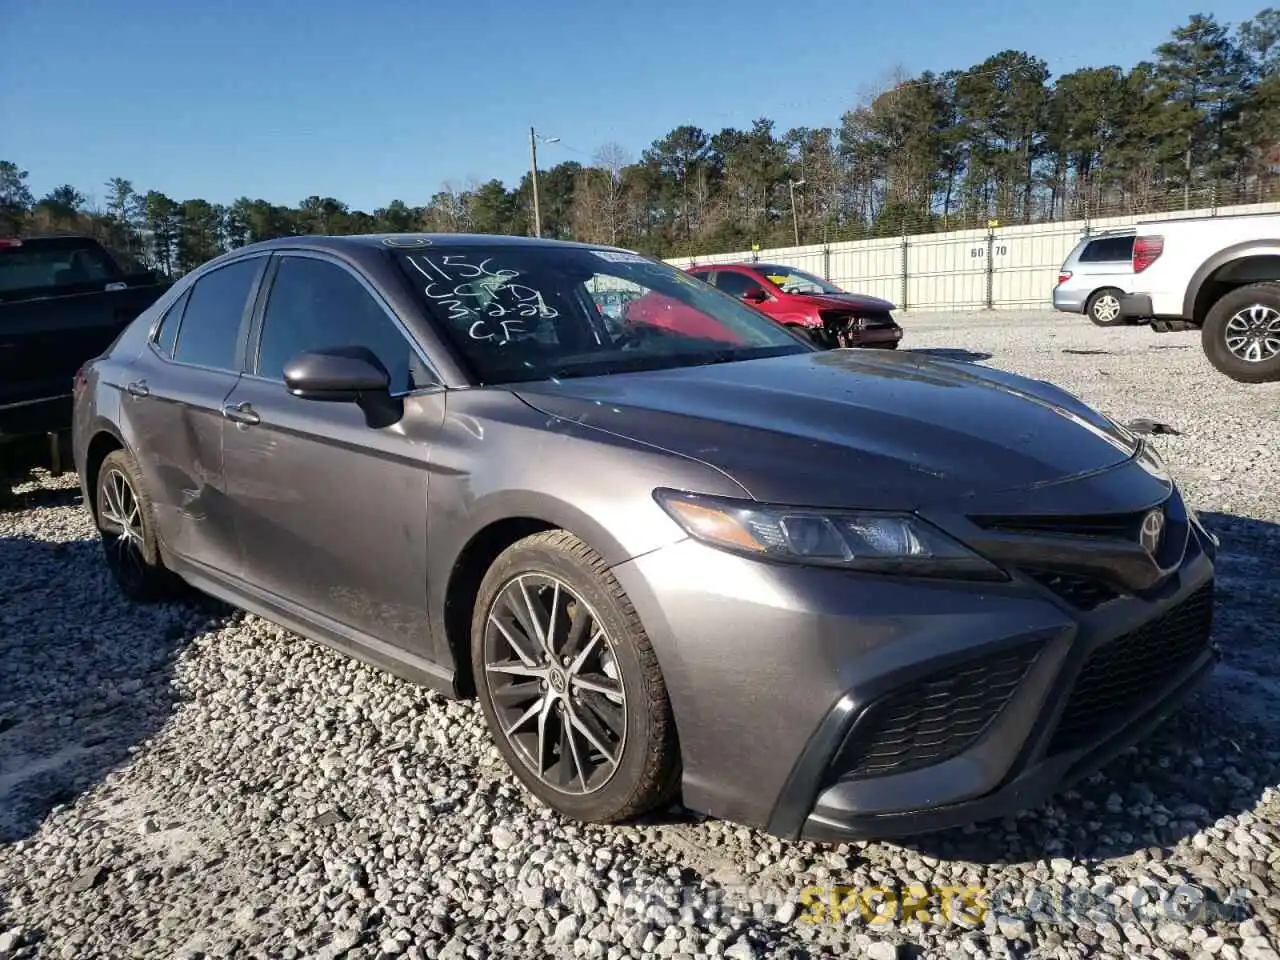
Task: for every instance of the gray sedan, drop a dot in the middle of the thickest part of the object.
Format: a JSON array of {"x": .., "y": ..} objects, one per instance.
[{"x": 826, "y": 593}]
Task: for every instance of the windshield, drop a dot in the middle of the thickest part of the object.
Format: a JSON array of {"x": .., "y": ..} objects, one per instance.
[
  {"x": 40, "y": 264},
  {"x": 532, "y": 312},
  {"x": 791, "y": 280}
]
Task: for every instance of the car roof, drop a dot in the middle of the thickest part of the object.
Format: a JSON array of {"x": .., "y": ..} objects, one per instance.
[{"x": 413, "y": 241}]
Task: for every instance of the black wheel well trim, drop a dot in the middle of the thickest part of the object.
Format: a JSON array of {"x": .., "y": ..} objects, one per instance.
[
  {"x": 102, "y": 444},
  {"x": 800, "y": 791},
  {"x": 1191, "y": 299},
  {"x": 465, "y": 576}
]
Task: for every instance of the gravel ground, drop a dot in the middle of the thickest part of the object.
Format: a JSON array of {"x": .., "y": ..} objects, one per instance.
[{"x": 186, "y": 781}]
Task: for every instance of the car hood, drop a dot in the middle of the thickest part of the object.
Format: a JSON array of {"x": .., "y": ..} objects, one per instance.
[
  {"x": 852, "y": 427},
  {"x": 846, "y": 301}
]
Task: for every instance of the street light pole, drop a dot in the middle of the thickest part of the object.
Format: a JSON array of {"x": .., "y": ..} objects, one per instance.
[
  {"x": 533, "y": 168},
  {"x": 795, "y": 220}
]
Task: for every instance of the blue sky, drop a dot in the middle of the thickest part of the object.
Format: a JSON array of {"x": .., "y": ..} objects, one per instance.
[{"x": 282, "y": 99}]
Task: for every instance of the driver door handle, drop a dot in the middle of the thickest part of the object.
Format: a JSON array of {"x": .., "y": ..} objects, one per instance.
[
  {"x": 138, "y": 388},
  {"x": 242, "y": 413}
]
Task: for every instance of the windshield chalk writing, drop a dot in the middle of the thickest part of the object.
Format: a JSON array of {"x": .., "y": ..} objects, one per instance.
[{"x": 476, "y": 292}]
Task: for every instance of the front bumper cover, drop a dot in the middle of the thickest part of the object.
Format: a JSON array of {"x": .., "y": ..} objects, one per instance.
[{"x": 1025, "y": 740}]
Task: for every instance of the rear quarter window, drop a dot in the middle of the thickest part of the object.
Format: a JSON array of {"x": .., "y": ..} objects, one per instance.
[
  {"x": 1107, "y": 250},
  {"x": 210, "y": 330}
]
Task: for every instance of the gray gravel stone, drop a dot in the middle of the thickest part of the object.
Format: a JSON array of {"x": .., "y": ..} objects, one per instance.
[{"x": 182, "y": 779}]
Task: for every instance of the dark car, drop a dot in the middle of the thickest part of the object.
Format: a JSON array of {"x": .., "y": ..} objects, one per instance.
[
  {"x": 795, "y": 298},
  {"x": 826, "y": 593},
  {"x": 63, "y": 299}
]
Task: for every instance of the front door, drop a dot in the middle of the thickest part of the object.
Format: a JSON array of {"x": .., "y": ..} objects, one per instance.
[
  {"x": 737, "y": 284},
  {"x": 172, "y": 413},
  {"x": 331, "y": 509}
]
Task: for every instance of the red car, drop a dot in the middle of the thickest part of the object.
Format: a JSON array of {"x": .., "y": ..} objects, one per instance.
[{"x": 795, "y": 298}]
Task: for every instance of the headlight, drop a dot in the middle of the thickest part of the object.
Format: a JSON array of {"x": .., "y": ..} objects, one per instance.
[{"x": 871, "y": 541}]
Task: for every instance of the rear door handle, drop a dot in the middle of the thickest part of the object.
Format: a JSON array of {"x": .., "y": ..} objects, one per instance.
[
  {"x": 242, "y": 413},
  {"x": 138, "y": 388}
]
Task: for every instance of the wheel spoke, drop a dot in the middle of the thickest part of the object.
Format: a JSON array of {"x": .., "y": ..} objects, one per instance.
[
  {"x": 613, "y": 719},
  {"x": 579, "y": 622},
  {"x": 518, "y": 692},
  {"x": 517, "y": 647},
  {"x": 586, "y": 651},
  {"x": 595, "y": 737},
  {"x": 533, "y": 711},
  {"x": 549, "y": 638},
  {"x": 605, "y": 689},
  {"x": 513, "y": 669},
  {"x": 575, "y": 753},
  {"x": 546, "y": 704},
  {"x": 526, "y": 616}
]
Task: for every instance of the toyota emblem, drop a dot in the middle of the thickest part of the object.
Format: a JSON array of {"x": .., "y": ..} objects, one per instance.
[{"x": 1152, "y": 531}]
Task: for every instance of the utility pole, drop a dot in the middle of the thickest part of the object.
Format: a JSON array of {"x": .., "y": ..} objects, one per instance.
[
  {"x": 533, "y": 164},
  {"x": 795, "y": 219},
  {"x": 533, "y": 169}
]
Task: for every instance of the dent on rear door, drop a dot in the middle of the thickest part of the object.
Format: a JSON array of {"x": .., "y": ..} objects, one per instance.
[{"x": 176, "y": 432}]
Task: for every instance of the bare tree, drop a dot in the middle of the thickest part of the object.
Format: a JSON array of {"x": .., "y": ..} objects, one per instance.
[{"x": 612, "y": 158}]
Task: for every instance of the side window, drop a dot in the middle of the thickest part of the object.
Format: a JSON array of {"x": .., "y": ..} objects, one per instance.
[
  {"x": 167, "y": 332},
  {"x": 314, "y": 304},
  {"x": 736, "y": 284},
  {"x": 1108, "y": 250},
  {"x": 211, "y": 322}
]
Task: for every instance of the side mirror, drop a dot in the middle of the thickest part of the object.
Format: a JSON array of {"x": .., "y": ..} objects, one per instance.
[
  {"x": 755, "y": 295},
  {"x": 337, "y": 374}
]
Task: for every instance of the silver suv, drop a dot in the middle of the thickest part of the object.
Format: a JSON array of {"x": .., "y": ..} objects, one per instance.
[{"x": 1095, "y": 274}]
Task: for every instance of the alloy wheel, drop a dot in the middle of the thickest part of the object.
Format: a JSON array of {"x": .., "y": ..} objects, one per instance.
[
  {"x": 1106, "y": 308},
  {"x": 554, "y": 683},
  {"x": 120, "y": 521},
  {"x": 1253, "y": 333}
]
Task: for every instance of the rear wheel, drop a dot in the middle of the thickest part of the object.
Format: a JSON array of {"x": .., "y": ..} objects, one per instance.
[
  {"x": 1241, "y": 334},
  {"x": 1103, "y": 307},
  {"x": 569, "y": 684},
  {"x": 126, "y": 524}
]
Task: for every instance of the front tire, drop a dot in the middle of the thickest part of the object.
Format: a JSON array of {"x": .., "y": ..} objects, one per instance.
[
  {"x": 127, "y": 527},
  {"x": 1103, "y": 307},
  {"x": 569, "y": 683},
  {"x": 1241, "y": 333}
]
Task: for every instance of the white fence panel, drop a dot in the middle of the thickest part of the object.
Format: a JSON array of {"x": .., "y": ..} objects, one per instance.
[
  {"x": 873, "y": 267},
  {"x": 949, "y": 271},
  {"x": 947, "y": 268}
]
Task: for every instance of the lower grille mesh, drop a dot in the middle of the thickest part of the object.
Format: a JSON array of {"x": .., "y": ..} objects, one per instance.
[
  {"x": 933, "y": 719},
  {"x": 1085, "y": 593},
  {"x": 1120, "y": 675}
]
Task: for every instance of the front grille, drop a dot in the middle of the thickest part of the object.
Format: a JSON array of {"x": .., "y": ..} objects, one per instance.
[
  {"x": 1124, "y": 672},
  {"x": 933, "y": 719},
  {"x": 1109, "y": 526},
  {"x": 1084, "y": 593}
]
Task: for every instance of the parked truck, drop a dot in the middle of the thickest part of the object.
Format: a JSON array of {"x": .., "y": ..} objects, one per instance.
[
  {"x": 63, "y": 300},
  {"x": 1220, "y": 275}
]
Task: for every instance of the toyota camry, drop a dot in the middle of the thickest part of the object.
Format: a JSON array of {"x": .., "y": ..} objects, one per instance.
[{"x": 826, "y": 593}]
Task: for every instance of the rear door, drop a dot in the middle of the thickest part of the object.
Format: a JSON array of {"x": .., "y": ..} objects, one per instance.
[{"x": 173, "y": 411}]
